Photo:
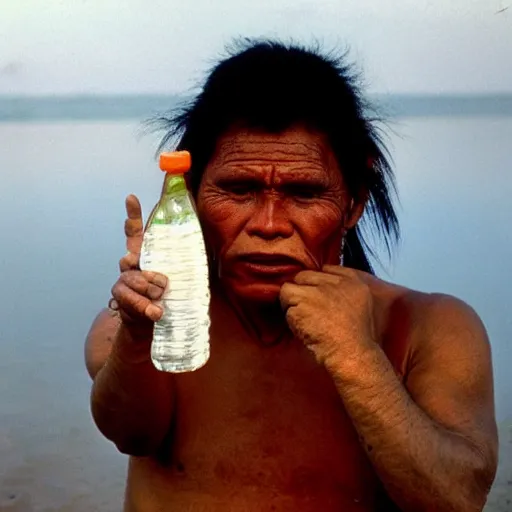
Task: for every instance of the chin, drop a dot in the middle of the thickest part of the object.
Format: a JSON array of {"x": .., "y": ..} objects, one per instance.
[{"x": 265, "y": 293}]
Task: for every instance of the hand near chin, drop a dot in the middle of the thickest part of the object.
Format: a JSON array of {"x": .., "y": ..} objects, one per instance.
[{"x": 331, "y": 312}]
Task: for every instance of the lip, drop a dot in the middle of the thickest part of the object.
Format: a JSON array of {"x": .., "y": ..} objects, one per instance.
[
  {"x": 269, "y": 259},
  {"x": 263, "y": 263}
]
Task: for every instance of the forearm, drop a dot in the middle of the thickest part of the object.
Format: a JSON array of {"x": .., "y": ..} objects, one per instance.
[
  {"x": 131, "y": 401},
  {"x": 422, "y": 465}
]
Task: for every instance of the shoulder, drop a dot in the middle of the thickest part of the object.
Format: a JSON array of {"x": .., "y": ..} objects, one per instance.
[
  {"x": 443, "y": 319},
  {"x": 430, "y": 315},
  {"x": 448, "y": 349},
  {"x": 442, "y": 312},
  {"x": 433, "y": 327}
]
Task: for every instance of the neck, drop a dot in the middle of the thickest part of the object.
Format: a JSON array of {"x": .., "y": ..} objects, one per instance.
[{"x": 263, "y": 322}]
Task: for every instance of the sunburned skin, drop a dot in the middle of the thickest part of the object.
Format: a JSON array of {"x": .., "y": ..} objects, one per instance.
[
  {"x": 264, "y": 426},
  {"x": 261, "y": 427},
  {"x": 278, "y": 195}
]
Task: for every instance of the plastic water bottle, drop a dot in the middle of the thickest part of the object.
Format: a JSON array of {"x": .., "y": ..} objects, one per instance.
[{"x": 173, "y": 245}]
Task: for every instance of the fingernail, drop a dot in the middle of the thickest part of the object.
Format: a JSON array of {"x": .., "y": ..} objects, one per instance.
[
  {"x": 160, "y": 280},
  {"x": 154, "y": 292},
  {"x": 154, "y": 312}
]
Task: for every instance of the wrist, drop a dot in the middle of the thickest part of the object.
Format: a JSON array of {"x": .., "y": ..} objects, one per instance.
[
  {"x": 132, "y": 343},
  {"x": 349, "y": 367}
]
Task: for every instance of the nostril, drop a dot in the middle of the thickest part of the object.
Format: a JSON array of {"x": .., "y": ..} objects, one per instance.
[{"x": 270, "y": 221}]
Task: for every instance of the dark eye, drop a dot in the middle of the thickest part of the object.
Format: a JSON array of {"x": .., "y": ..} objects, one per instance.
[
  {"x": 238, "y": 188},
  {"x": 304, "y": 191}
]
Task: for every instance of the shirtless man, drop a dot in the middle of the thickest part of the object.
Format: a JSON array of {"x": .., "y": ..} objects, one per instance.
[{"x": 327, "y": 388}]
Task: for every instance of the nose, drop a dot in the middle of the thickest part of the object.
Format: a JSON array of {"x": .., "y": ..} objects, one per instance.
[{"x": 270, "y": 220}]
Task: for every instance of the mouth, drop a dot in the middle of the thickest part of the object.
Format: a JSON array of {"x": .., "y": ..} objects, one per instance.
[{"x": 263, "y": 263}]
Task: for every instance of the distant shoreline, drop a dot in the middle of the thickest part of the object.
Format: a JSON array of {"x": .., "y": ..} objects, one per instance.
[{"x": 142, "y": 107}]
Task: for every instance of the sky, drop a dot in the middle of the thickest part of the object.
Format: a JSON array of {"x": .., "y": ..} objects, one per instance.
[{"x": 157, "y": 46}]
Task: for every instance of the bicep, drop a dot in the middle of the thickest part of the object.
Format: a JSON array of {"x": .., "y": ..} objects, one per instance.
[
  {"x": 451, "y": 376},
  {"x": 100, "y": 338}
]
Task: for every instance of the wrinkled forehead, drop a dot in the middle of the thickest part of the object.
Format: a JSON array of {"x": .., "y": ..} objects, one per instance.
[{"x": 294, "y": 146}]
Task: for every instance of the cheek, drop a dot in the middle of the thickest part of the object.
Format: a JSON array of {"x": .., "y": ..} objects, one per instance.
[{"x": 319, "y": 226}]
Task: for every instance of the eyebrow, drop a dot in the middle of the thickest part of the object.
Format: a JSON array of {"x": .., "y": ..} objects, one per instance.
[{"x": 303, "y": 174}]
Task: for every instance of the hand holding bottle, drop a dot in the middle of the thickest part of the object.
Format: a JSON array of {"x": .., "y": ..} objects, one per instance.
[{"x": 135, "y": 291}]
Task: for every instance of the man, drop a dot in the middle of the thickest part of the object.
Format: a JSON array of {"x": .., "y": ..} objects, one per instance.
[{"x": 327, "y": 389}]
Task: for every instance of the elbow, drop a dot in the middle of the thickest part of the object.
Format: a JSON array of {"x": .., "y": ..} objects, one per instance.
[
  {"x": 133, "y": 439},
  {"x": 133, "y": 443},
  {"x": 137, "y": 446},
  {"x": 481, "y": 481},
  {"x": 475, "y": 487}
]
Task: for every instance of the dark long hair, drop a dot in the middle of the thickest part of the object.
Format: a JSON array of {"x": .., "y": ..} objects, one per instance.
[{"x": 271, "y": 86}]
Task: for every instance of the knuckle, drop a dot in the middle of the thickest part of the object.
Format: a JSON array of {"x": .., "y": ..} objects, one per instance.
[
  {"x": 154, "y": 292},
  {"x": 124, "y": 263},
  {"x": 140, "y": 304},
  {"x": 121, "y": 295},
  {"x": 127, "y": 258},
  {"x": 131, "y": 260},
  {"x": 149, "y": 275},
  {"x": 285, "y": 289},
  {"x": 125, "y": 276},
  {"x": 291, "y": 313},
  {"x": 136, "y": 281},
  {"x": 350, "y": 272},
  {"x": 133, "y": 301},
  {"x": 132, "y": 227}
]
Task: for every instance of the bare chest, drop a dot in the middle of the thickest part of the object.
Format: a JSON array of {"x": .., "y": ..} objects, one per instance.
[
  {"x": 266, "y": 419},
  {"x": 265, "y": 428}
]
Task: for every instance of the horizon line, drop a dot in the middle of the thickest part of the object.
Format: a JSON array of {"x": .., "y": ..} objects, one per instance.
[
  {"x": 123, "y": 106},
  {"x": 426, "y": 94}
]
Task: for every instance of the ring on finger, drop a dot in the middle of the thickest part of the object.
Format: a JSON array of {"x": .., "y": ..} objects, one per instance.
[{"x": 113, "y": 305}]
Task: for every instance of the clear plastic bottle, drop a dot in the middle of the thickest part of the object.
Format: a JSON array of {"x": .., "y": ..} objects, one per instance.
[{"x": 173, "y": 245}]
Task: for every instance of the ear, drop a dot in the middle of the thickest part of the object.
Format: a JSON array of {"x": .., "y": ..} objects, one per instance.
[
  {"x": 355, "y": 210},
  {"x": 357, "y": 204}
]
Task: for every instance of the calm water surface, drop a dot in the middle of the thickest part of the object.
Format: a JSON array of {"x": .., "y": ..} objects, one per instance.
[{"x": 61, "y": 217}]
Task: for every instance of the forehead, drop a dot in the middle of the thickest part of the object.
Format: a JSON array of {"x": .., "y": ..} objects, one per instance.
[{"x": 296, "y": 147}]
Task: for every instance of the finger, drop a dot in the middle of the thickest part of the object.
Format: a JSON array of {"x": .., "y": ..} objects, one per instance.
[
  {"x": 149, "y": 284},
  {"x": 290, "y": 295},
  {"x": 291, "y": 317},
  {"x": 338, "y": 271},
  {"x": 133, "y": 226},
  {"x": 313, "y": 278},
  {"x": 133, "y": 208},
  {"x": 129, "y": 262},
  {"x": 135, "y": 305}
]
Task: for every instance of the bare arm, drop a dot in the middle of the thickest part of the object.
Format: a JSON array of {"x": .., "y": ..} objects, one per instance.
[
  {"x": 131, "y": 401},
  {"x": 434, "y": 444},
  {"x": 100, "y": 339}
]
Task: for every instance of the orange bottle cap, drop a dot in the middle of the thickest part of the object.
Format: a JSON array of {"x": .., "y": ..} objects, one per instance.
[{"x": 177, "y": 162}]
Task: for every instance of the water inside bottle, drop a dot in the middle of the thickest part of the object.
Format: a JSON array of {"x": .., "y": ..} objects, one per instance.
[{"x": 181, "y": 337}]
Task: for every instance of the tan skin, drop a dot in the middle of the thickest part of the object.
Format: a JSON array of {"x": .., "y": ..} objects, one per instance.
[{"x": 327, "y": 388}]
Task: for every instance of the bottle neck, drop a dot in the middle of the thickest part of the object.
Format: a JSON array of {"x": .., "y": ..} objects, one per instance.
[{"x": 174, "y": 185}]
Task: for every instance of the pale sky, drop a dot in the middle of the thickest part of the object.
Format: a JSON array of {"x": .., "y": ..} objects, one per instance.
[{"x": 165, "y": 46}]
